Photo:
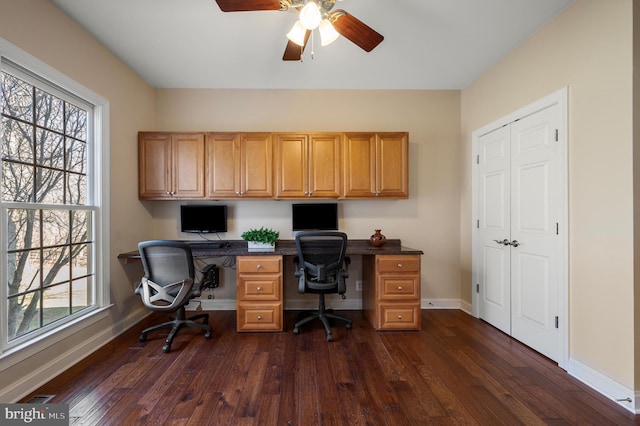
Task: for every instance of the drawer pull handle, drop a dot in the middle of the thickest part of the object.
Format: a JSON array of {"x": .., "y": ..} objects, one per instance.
[
  {"x": 258, "y": 266},
  {"x": 259, "y": 317},
  {"x": 399, "y": 317},
  {"x": 259, "y": 289},
  {"x": 399, "y": 288},
  {"x": 400, "y": 265}
]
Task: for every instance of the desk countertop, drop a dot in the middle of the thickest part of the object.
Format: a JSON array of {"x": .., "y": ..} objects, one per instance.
[{"x": 283, "y": 247}]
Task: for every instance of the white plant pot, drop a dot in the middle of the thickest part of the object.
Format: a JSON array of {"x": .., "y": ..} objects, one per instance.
[{"x": 260, "y": 247}]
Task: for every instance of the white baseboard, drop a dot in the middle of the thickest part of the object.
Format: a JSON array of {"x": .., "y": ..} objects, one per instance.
[
  {"x": 608, "y": 387},
  {"x": 347, "y": 304},
  {"x": 289, "y": 305},
  {"x": 440, "y": 304},
  {"x": 46, "y": 372}
]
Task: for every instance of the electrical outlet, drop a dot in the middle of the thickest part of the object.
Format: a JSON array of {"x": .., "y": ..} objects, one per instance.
[{"x": 358, "y": 285}]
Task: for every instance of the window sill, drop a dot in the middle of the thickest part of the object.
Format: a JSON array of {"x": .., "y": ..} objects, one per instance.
[{"x": 23, "y": 351}]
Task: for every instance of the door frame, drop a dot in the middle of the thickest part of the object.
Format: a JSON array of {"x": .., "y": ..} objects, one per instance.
[{"x": 560, "y": 98}]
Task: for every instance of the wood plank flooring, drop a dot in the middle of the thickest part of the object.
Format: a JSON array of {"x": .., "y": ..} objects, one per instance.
[{"x": 457, "y": 370}]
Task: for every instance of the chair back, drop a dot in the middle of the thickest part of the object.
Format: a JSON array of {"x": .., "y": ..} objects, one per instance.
[
  {"x": 166, "y": 262},
  {"x": 321, "y": 257}
]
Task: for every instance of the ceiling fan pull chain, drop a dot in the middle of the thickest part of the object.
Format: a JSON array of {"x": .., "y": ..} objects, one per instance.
[{"x": 313, "y": 53}]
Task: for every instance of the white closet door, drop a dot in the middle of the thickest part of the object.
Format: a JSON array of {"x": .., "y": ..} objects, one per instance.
[
  {"x": 494, "y": 187},
  {"x": 535, "y": 211},
  {"x": 519, "y": 201}
]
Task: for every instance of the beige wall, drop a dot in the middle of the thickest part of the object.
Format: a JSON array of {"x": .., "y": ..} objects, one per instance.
[
  {"x": 44, "y": 32},
  {"x": 428, "y": 220},
  {"x": 589, "y": 49}
]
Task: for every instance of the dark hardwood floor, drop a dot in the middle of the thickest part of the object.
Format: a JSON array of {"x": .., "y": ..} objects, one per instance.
[{"x": 457, "y": 370}]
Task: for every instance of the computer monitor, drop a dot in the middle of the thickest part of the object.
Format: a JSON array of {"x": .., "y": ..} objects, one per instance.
[
  {"x": 203, "y": 218},
  {"x": 314, "y": 217}
]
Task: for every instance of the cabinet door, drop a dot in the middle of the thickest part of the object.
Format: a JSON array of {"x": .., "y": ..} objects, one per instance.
[
  {"x": 292, "y": 168},
  {"x": 324, "y": 165},
  {"x": 392, "y": 172},
  {"x": 359, "y": 165},
  {"x": 154, "y": 165},
  {"x": 376, "y": 165},
  {"x": 188, "y": 165},
  {"x": 256, "y": 167},
  {"x": 222, "y": 165}
]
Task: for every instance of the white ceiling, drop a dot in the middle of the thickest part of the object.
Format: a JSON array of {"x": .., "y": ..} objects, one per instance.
[{"x": 428, "y": 44}]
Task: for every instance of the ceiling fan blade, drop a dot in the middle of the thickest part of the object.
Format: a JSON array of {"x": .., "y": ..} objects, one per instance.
[
  {"x": 355, "y": 30},
  {"x": 293, "y": 51},
  {"x": 248, "y": 5}
]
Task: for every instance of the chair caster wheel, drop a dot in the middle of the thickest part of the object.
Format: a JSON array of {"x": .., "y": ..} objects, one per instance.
[
  {"x": 166, "y": 348},
  {"x": 349, "y": 326},
  {"x": 207, "y": 335},
  {"x": 296, "y": 330},
  {"x": 329, "y": 338},
  {"x": 142, "y": 338}
]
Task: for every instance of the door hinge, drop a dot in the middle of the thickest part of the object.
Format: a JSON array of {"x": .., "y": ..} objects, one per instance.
[
  {"x": 557, "y": 229},
  {"x": 556, "y": 135},
  {"x": 478, "y": 159},
  {"x": 478, "y": 223},
  {"x": 477, "y": 288},
  {"x": 556, "y": 322}
]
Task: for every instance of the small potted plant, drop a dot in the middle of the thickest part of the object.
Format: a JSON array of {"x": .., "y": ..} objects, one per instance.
[{"x": 263, "y": 239}]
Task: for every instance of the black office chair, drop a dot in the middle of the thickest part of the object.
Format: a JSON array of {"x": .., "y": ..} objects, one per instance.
[
  {"x": 321, "y": 268},
  {"x": 168, "y": 285}
]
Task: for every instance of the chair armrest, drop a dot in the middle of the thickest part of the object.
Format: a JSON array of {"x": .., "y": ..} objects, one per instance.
[
  {"x": 345, "y": 270},
  {"x": 297, "y": 270}
]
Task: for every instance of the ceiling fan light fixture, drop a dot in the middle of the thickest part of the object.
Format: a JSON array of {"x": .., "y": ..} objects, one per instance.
[
  {"x": 310, "y": 15},
  {"x": 297, "y": 34},
  {"x": 328, "y": 34}
]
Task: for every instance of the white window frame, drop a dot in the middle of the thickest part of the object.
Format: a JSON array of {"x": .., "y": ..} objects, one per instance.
[{"x": 98, "y": 177}]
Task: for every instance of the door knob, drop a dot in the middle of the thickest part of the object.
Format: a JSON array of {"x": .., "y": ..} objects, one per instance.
[
  {"x": 504, "y": 242},
  {"x": 514, "y": 243}
]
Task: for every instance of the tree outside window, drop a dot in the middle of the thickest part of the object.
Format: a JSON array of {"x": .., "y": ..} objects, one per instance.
[{"x": 48, "y": 215}]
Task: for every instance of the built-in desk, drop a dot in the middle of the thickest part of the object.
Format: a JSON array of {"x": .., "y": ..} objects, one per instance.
[{"x": 391, "y": 273}]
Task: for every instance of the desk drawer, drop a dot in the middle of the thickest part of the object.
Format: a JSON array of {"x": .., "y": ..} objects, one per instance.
[
  {"x": 258, "y": 287},
  {"x": 397, "y": 263},
  {"x": 399, "y": 287},
  {"x": 399, "y": 316},
  {"x": 259, "y": 264},
  {"x": 259, "y": 317}
]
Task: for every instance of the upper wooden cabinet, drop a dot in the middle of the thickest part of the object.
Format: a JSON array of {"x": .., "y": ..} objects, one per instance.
[
  {"x": 308, "y": 165},
  {"x": 239, "y": 165},
  {"x": 171, "y": 165},
  {"x": 376, "y": 165}
]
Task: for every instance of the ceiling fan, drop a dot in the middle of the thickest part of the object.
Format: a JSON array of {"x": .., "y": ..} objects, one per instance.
[{"x": 312, "y": 14}]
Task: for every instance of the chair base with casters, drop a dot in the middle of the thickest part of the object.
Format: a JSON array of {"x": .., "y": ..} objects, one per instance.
[
  {"x": 175, "y": 324},
  {"x": 323, "y": 315}
]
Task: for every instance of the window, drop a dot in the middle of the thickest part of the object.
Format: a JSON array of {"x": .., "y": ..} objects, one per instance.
[{"x": 51, "y": 208}]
